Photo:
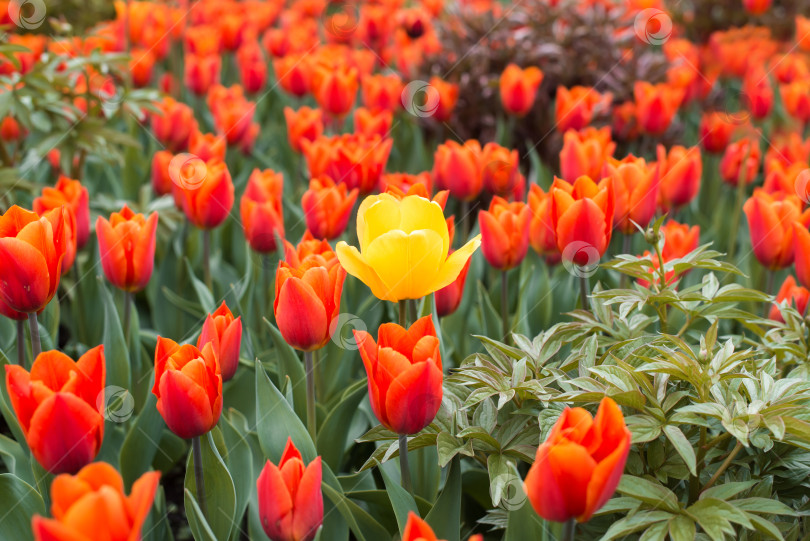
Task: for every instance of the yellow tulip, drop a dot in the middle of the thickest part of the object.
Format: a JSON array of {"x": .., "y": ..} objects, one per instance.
[{"x": 404, "y": 246}]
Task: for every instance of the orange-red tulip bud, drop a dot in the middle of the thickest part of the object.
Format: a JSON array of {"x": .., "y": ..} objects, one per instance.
[
  {"x": 740, "y": 162},
  {"x": 304, "y": 124},
  {"x": 575, "y": 108},
  {"x": 635, "y": 188},
  {"x": 542, "y": 237},
  {"x": 382, "y": 92},
  {"x": 585, "y": 152},
  {"x": 518, "y": 88},
  {"x": 680, "y": 172},
  {"x": 127, "y": 247},
  {"x": 656, "y": 106},
  {"x": 449, "y": 297},
  {"x": 206, "y": 201},
  {"x": 74, "y": 196},
  {"x": 582, "y": 214},
  {"x": 505, "y": 232},
  {"x": 715, "y": 131},
  {"x": 173, "y": 124},
  {"x": 327, "y": 207},
  {"x": 770, "y": 222},
  {"x": 335, "y": 89},
  {"x": 500, "y": 171},
  {"x": 225, "y": 334},
  {"x": 371, "y": 123},
  {"x": 261, "y": 210},
  {"x": 207, "y": 146},
  {"x": 790, "y": 293},
  {"x": 457, "y": 168}
]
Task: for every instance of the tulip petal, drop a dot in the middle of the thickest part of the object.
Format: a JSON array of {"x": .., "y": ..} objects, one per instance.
[
  {"x": 454, "y": 264},
  {"x": 24, "y": 276},
  {"x": 420, "y": 213},
  {"x": 413, "y": 398},
  {"x": 406, "y": 263},
  {"x": 542, "y": 488},
  {"x": 140, "y": 501},
  {"x": 417, "y": 529},
  {"x": 184, "y": 405},
  {"x": 801, "y": 243},
  {"x": 355, "y": 264},
  {"x": 308, "y": 513},
  {"x": 382, "y": 216},
  {"x": 301, "y": 315},
  {"x": 51, "y": 530},
  {"x": 275, "y": 503}
]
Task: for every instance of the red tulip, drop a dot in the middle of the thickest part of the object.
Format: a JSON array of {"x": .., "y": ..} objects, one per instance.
[
  {"x": 371, "y": 123},
  {"x": 335, "y": 88},
  {"x": 74, "y": 196},
  {"x": 161, "y": 179},
  {"x": 207, "y": 146},
  {"x": 417, "y": 529},
  {"x": 173, "y": 124},
  {"x": 127, "y": 247},
  {"x": 757, "y": 92},
  {"x": 382, "y": 92},
  {"x": 303, "y": 124},
  {"x": 449, "y": 297},
  {"x": 457, "y": 168},
  {"x": 715, "y": 131},
  {"x": 201, "y": 72},
  {"x": 327, "y": 207},
  {"x": 225, "y": 335},
  {"x": 206, "y": 198},
  {"x": 680, "y": 172},
  {"x": 542, "y": 237},
  {"x": 261, "y": 210},
  {"x": 656, "y": 106},
  {"x": 404, "y": 371},
  {"x": 578, "y": 467},
  {"x": 518, "y": 88},
  {"x": 770, "y": 222},
  {"x": 582, "y": 215},
  {"x": 59, "y": 405},
  {"x": 505, "y": 233},
  {"x": 585, "y": 152},
  {"x": 576, "y": 107},
  {"x": 355, "y": 160},
  {"x": 635, "y": 188},
  {"x": 32, "y": 249},
  {"x": 740, "y": 162},
  {"x": 188, "y": 387},
  {"x": 500, "y": 171},
  {"x": 791, "y": 294},
  {"x": 290, "y": 497}
]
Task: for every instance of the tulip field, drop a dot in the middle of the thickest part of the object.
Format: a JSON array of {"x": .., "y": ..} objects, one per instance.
[{"x": 407, "y": 270}]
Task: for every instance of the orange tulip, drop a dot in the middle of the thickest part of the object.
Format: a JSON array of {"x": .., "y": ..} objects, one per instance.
[
  {"x": 405, "y": 181},
  {"x": 541, "y": 229},
  {"x": 680, "y": 172},
  {"x": 740, "y": 162},
  {"x": 578, "y": 467},
  {"x": 624, "y": 121},
  {"x": 232, "y": 27},
  {"x": 206, "y": 201},
  {"x": 656, "y": 106},
  {"x": 518, "y": 88},
  {"x": 355, "y": 160},
  {"x": 262, "y": 210},
  {"x": 757, "y": 92},
  {"x": 307, "y": 301},
  {"x": 576, "y": 107},
  {"x": 201, "y": 72},
  {"x": 757, "y": 7},
  {"x": 417, "y": 529},
  {"x": 74, "y": 196},
  {"x": 173, "y": 124},
  {"x": 303, "y": 124},
  {"x": 582, "y": 215},
  {"x": 680, "y": 239},
  {"x": 188, "y": 387},
  {"x": 294, "y": 73},
  {"x": 803, "y": 32},
  {"x": 449, "y": 297},
  {"x": 141, "y": 67},
  {"x": 127, "y": 247},
  {"x": 310, "y": 248},
  {"x": 501, "y": 172},
  {"x": 458, "y": 168},
  {"x": 10, "y": 130},
  {"x": 447, "y": 94},
  {"x": 92, "y": 505},
  {"x": 59, "y": 406},
  {"x": 225, "y": 334},
  {"x": 791, "y": 294},
  {"x": 585, "y": 152},
  {"x": 233, "y": 117},
  {"x": 786, "y": 179},
  {"x": 382, "y": 92},
  {"x": 290, "y": 498},
  {"x": 371, "y": 123},
  {"x": 801, "y": 251},
  {"x": 327, "y": 207},
  {"x": 207, "y": 146},
  {"x": 715, "y": 131},
  {"x": 787, "y": 149},
  {"x": 404, "y": 371},
  {"x": 335, "y": 89},
  {"x": 635, "y": 186},
  {"x": 796, "y": 98},
  {"x": 32, "y": 249},
  {"x": 161, "y": 180},
  {"x": 504, "y": 232},
  {"x": 770, "y": 222}
]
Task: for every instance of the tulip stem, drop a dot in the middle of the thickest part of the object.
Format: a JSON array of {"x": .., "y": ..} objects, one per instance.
[
  {"x": 207, "y": 259},
  {"x": 199, "y": 480},
  {"x": 735, "y": 221},
  {"x": 569, "y": 530},
  {"x": 505, "y": 306},
  {"x": 311, "y": 424},
  {"x": 583, "y": 292},
  {"x": 403, "y": 463},
  {"x": 36, "y": 345},
  {"x": 403, "y": 313},
  {"x": 21, "y": 342}
]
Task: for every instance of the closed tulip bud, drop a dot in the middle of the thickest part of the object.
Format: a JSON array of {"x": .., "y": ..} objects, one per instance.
[
  {"x": 310, "y": 248},
  {"x": 304, "y": 124},
  {"x": 582, "y": 214},
  {"x": 801, "y": 251},
  {"x": 252, "y": 66},
  {"x": 803, "y": 32},
  {"x": 59, "y": 406},
  {"x": 542, "y": 237},
  {"x": 261, "y": 210},
  {"x": 355, "y": 160},
  {"x": 206, "y": 201},
  {"x": 578, "y": 467},
  {"x": 783, "y": 178},
  {"x": 635, "y": 188},
  {"x": 172, "y": 124},
  {"x": 161, "y": 180},
  {"x": 207, "y": 146},
  {"x": 715, "y": 132},
  {"x": 584, "y": 153},
  {"x": 447, "y": 94},
  {"x": 404, "y": 369},
  {"x": 449, "y": 297},
  {"x": 504, "y": 233},
  {"x": 293, "y": 73},
  {"x": 188, "y": 387},
  {"x": 126, "y": 244},
  {"x": 372, "y": 123},
  {"x": 770, "y": 222},
  {"x": 458, "y": 168},
  {"x": 656, "y": 106},
  {"x": 92, "y": 505},
  {"x": 327, "y": 207},
  {"x": 201, "y": 72},
  {"x": 417, "y": 529},
  {"x": 740, "y": 162},
  {"x": 141, "y": 66},
  {"x": 757, "y": 7},
  {"x": 518, "y": 88},
  {"x": 501, "y": 172},
  {"x": 679, "y": 239},
  {"x": 680, "y": 172},
  {"x": 225, "y": 335},
  {"x": 32, "y": 249},
  {"x": 382, "y": 92},
  {"x": 74, "y": 196},
  {"x": 576, "y": 107},
  {"x": 290, "y": 498},
  {"x": 796, "y": 98},
  {"x": 307, "y": 300},
  {"x": 791, "y": 294},
  {"x": 757, "y": 92},
  {"x": 335, "y": 89},
  {"x": 404, "y": 245}
]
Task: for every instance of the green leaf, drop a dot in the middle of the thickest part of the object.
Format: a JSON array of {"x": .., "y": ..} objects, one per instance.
[
  {"x": 763, "y": 506},
  {"x": 682, "y": 528},
  {"x": 445, "y": 517},
  {"x": 727, "y": 491},
  {"x": 203, "y": 294},
  {"x": 682, "y": 446},
  {"x": 634, "y": 523},
  {"x": 240, "y": 465},
  {"x": 401, "y": 501},
  {"x": 276, "y": 421},
  {"x": 651, "y": 493},
  {"x": 289, "y": 365},
  {"x": 524, "y": 524},
  {"x": 19, "y": 501},
  {"x": 220, "y": 494},
  {"x": 333, "y": 435},
  {"x": 196, "y": 521},
  {"x": 765, "y": 526},
  {"x": 360, "y": 522},
  {"x": 142, "y": 442},
  {"x": 116, "y": 354}
]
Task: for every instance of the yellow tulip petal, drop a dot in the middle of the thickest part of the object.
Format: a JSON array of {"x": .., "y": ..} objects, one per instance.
[
  {"x": 406, "y": 263},
  {"x": 365, "y": 204},
  {"x": 420, "y": 213},
  {"x": 354, "y": 263},
  {"x": 451, "y": 268},
  {"x": 382, "y": 216}
]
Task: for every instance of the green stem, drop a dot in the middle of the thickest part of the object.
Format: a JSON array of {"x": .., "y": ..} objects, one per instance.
[
  {"x": 583, "y": 292},
  {"x": 36, "y": 345},
  {"x": 266, "y": 270},
  {"x": 412, "y": 312},
  {"x": 199, "y": 480},
  {"x": 726, "y": 463},
  {"x": 207, "y": 259},
  {"x": 505, "y": 306},
  {"x": 569, "y": 530},
  {"x": 21, "y": 342},
  {"x": 311, "y": 422},
  {"x": 403, "y": 463},
  {"x": 735, "y": 221},
  {"x": 403, "y": 313}
]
